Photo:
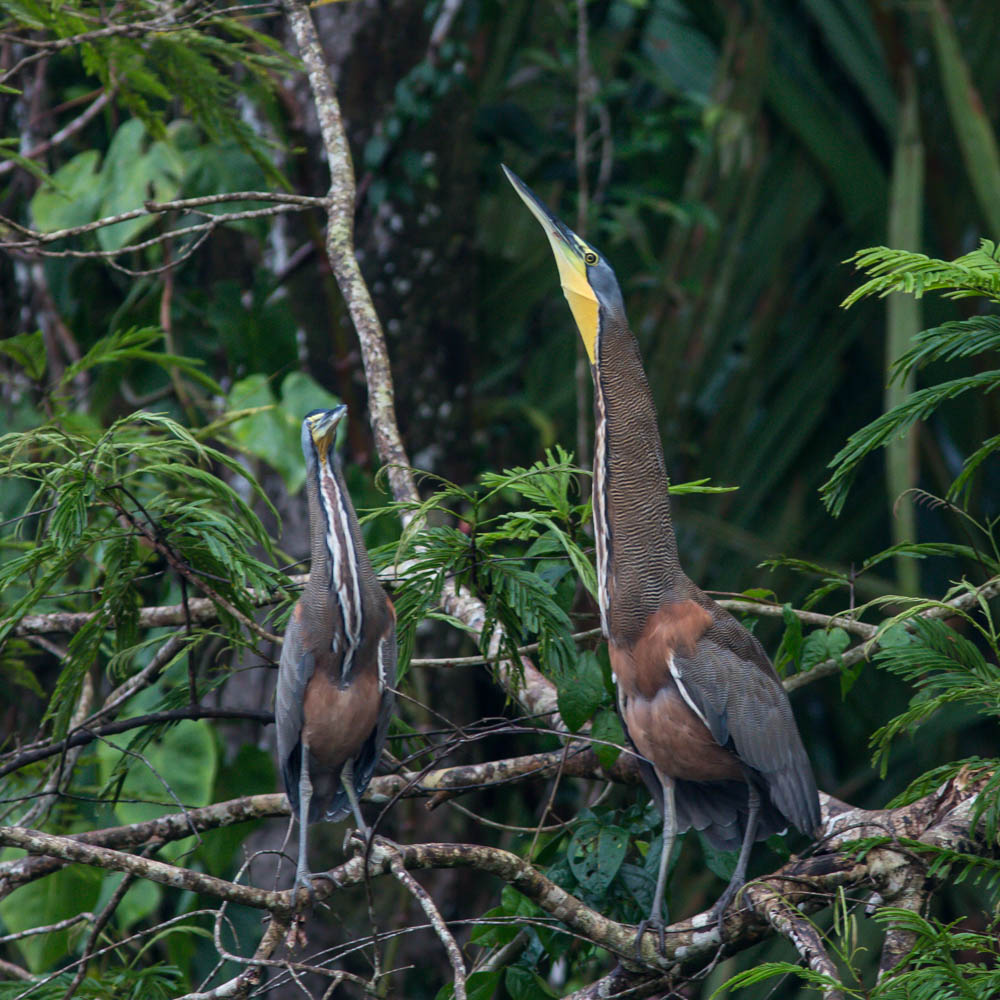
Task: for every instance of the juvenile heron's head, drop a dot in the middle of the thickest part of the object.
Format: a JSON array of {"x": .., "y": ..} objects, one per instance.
[{"x": 319, "y": 432}]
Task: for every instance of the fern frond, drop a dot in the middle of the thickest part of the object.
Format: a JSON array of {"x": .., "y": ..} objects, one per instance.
[
  {"x": 893, "y": 424},
  {"x": 975, "y": 273},
  {"x": 958, "y": 339}
]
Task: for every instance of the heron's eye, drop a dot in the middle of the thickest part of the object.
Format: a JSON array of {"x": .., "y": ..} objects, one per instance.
[{"x": 590, "y": 257}]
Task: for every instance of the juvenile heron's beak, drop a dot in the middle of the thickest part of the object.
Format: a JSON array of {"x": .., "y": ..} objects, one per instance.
[
  {"x": 572, "y": 257},
  {"x": 323, "y": 427}
]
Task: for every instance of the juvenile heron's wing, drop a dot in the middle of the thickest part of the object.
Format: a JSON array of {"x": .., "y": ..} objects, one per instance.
[{"x": 295, "y": 668}]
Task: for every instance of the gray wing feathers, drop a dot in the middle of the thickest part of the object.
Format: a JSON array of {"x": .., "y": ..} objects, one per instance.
[
  {"x": 294, "y": 670},
  {"x": 750, "y": 711}
]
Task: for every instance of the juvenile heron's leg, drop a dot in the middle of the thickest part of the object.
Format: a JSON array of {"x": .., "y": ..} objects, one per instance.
[
  {"x": 347, "y": 780},
  {"x": 655, "y": 920},
  {"x": 749, "y": 839},
  {"x": 302, "y": 879}
]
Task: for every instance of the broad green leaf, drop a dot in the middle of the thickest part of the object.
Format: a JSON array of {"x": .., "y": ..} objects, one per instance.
[
  {"x": 720, "y": 863},
  {"x": 184, "y": 758},
  {"x": 74, "y": 197},
  {"x": 525, "y": 984},
  {"x": 274, "y": 434},
  {"x": 140, "y": 900},
  {"x": 28, "y": 350},
  {"x": 607, "y": 728},
  {"x": 132, "y": 176},
  {"x": 822, "y": 645},
  {"x": 595, "y": 854},
  {"x": 48, "y": 900},
  {"x": 301, "y": 394},
  {"x": 581, "y": 694},
  {"x": 479, "y": 986}
]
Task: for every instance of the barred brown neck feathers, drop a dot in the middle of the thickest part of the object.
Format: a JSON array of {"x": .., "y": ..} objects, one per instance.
[{"x": 630, "y": 491}]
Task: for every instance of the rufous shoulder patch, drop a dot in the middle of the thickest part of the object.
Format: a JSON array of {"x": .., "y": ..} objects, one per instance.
[
  {"x": 678, "y": 626},
  {"x": 674, "y": 629}
]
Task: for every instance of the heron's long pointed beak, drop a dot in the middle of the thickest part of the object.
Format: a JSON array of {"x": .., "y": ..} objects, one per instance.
[
  {"x": 570, "y": 253},
  {"x": 323, "y": 427}
]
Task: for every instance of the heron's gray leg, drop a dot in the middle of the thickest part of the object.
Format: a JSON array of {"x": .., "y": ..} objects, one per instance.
[
  {"x": 656, "y": 918},
  {"x": 302, "y": 879},
  {"x": 347, "y": 780},
  {"x": 749, "y": 839}
]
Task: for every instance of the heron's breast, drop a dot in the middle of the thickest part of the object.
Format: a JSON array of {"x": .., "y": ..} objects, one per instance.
[
  {"x": 673, "y": 739},
  {"x": 338, "y": 719}
]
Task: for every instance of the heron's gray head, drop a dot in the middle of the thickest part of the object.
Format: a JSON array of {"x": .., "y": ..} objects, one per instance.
[{"x": 319, "y": 432}]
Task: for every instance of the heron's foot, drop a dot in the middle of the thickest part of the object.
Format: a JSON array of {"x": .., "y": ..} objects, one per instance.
[
  {"x": 361, "y": 836},
  {"x": 718, "y": 912},
  {"x": 659, "y": 927},
  {"x": 303, "y": 881}
]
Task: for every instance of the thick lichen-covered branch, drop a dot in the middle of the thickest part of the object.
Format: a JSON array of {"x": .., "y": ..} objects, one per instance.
[{"x": 806, "y": 884}]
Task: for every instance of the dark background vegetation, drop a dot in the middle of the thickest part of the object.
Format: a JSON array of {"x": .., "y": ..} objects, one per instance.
[{"x": 737, "y": 153}]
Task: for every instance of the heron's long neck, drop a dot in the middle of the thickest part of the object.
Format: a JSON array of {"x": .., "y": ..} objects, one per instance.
[
  {"x": 341, "y": 572},
  {"x": 638, "y": 569}
]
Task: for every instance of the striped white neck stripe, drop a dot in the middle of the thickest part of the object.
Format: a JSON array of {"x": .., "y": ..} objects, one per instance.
[
  {"x": 602, "y": 526},
  {"x": 345, "y": 583}
]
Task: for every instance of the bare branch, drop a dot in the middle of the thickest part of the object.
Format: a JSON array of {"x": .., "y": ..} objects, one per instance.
[
  {"x": 909, "y": 893},
  {"x": 67, "y": 131},
  {"x": 12, "y": 971},
  {"x": 802, "y": 933},
  {"x": 433, "y": 915},
  {"x": 241, "y": 985},
  {"x": 96, "y": 929},
  {"x": 32, "y": 239},
  {"x": 83, "y": 736},
  {"x": 36, "y": 842},
  {"x": 343, "y": 260}
]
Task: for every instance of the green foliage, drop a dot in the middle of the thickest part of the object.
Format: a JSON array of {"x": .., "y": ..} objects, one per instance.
[
  {"x": 163, "y": 60},
  {"x": 271, "y": 430},
  {"x": 516, "y": 561},
  {"x": 66, "y": 893},
  {"x": 81, "y": 191},
  {"x": 974, "y": 274},
  {"x": 582, "y": 692},
  {"x": 157, "y": 981},
  {"x": 815, "y": 981},
  {"x": 943, "y": 666},
  {"x": 944, "y": 961},
  {"x": 106, "y": 505}
]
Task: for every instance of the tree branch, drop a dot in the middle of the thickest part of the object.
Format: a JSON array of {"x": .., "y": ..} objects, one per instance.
[
  {"x": 68, "y": 130},
  {"x": 83, "y": 736},
  {"x": 434, "y": 916},
  {"x": 789, "y": 923},
  {"x": 36, "y": 842},
  {"x": 941, "y": 819},
  {"x": 343, "y": 261}
]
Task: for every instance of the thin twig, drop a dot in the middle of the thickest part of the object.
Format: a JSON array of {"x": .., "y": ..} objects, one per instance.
[
  {"x": 68, "y": 130},
  {"x": 95, "y": 932},
  {"x": 434, "y": 916}
]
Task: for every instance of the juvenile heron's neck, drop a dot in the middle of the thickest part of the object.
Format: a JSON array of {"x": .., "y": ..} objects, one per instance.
[
  {"x": 638, "y": 568},
  {"x": 340, "y": 565}
]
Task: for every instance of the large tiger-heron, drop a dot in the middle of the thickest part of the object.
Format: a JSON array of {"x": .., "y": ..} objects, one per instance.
[
  {"x": 338, "y": 660},
  {"x": 698, "y": 695}
]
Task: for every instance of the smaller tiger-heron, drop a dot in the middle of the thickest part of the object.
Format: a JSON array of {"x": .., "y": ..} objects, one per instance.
[
  {"x": 698, "y": 695},
  {"x": 338, "y": 660}
]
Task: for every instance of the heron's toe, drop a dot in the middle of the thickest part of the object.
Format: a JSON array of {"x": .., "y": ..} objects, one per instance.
[
  {"x": 303, "y": 881},
  {"x": 658, "y": 926},
  {"x": 718, "y": 912}
]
